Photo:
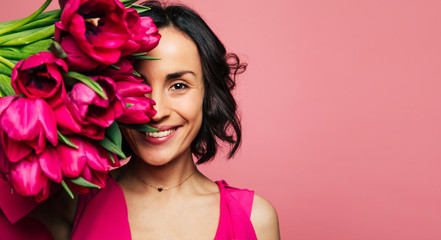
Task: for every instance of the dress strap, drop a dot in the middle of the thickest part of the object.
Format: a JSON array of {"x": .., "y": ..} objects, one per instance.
[{"x": 234, "y": 222}]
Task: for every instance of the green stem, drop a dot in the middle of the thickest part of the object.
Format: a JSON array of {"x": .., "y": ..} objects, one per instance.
[
  {"x": 5, "y": 85},
  {"x": 26, "y": 19},
  {"x": 22, "y": 39},
  {"x": 14, "y": 54},
  {"x": 7, "y": 62}
]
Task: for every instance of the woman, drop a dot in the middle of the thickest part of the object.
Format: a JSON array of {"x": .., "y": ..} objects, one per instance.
[{"x": 160, "y": 194}]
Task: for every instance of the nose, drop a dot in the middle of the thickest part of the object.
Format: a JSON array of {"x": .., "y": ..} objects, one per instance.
[{"x": 162, "y": 106}]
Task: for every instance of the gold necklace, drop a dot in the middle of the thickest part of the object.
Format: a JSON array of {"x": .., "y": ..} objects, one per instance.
[{"x": 165, "y": 188}]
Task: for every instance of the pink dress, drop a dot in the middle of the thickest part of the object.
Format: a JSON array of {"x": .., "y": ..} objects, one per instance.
[
  {"x": 103, "y": 214},
  {"x": 14, "y": 224}
]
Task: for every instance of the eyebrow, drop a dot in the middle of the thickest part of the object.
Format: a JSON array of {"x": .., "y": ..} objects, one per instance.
[{"x": 171, "y": 76}]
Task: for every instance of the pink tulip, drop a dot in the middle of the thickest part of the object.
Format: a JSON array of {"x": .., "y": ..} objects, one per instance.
[
  {"x": 142, "y": 107},
  {"x": 65, "y": 121},
  {"x": 140, "y": 113},
  {"x": 124, "y": 73},
  {"x": 31, "y": 174},
  {"x": 93, "y": 112},
  {"x": 28, "y": 179},
  {"x": 50, "y": 164},
  {"x": 28, "y": 122},
  {"x": 98, "y": 27},
  {"x": 95, "y": 177},
  {"x": 77, "y": 59},
  {"x": 88, "y": 154},
  {"x": 14, "y": 150},
  {"x": 40, "y": 76},
  {"x": 89, "y": 161},
  {"x": 4, "y": 163},
  {"x": 144, "y": 34}
]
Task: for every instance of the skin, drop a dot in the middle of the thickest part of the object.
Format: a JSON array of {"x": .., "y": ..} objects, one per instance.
[{"x": 190, "y": 211}]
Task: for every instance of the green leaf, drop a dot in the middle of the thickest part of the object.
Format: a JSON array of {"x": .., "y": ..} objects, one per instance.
[
  {"x": 5, "y": 86},
  {"x": 110, "y": 146},
  {"x": 66, "y": 140},
  {"x": 38, "y": 46},
  {"x": 63, "y": 183},
  {"x": 146, "y": 58},
  {"x": 89, "y": 82},
  {"x": 57, "y": 50},
  {"x": 43, "y": 15},
  {"x": 138, "y": 54},
  {"x": 14, "y": 54},
  {"x": 26, "y": 19},
  {"x": 84, "y": 183},
  {"x": 54, "y": 13},
  {"x": 37, "y": 24},
  {"x": 139, "y": 8},
  {"x": 139, "y": 127},
  {"x": 127, "y": 3},
  {"x": 27, "y": 37},
  {"x": 6, "y": 62},
  {"x": 5, "y": 70},
  {"x": 113, "y": 66},
  {"x": 111, "y": 157},
  {"x": 114, "y": 134},
  {"x": 136, "y": 74},
  {"x": 13, "y": 36},
  {"x": 129, "y": 105}
]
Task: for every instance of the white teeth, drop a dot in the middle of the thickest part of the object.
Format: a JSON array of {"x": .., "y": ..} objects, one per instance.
[{"x": 160, "y": 133}]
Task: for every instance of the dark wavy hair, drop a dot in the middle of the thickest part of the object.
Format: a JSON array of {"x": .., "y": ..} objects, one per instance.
[{"x": 220, "y": 118}]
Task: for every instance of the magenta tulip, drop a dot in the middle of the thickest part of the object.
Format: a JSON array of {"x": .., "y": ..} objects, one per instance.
[
  {"x": 50, "y": 164},
  {"x": 4, "y": 163},
  {"x": 77, "y": 59},
  {"x": 31, "y": 175},
  {"x": 93, "y": 112},
  {"x": 88, "y": 154},
  {"x": 40, "y": 76},
  {"x": 95, "y": 177},
  {"x": 28, "y": 122},
  {"x": 143, "y": 32},
  {"x": 141, "y": 109},
  {"x": 89, "y": 161},
  {"x": 65, "y": 121},
  {"x": 124, "y": 73},
  {"x": 98, "y": 27},
  {"x": 28, "y": 179}
]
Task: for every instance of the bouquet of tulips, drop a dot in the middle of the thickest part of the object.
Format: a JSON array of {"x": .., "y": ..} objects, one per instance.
[{"x": 66, "y": 85}]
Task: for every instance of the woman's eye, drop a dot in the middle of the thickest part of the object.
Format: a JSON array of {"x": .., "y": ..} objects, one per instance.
[{"x": 178, "y": 86}]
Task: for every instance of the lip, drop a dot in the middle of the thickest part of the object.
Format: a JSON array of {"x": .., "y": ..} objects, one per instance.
[{"x": 161, "y": 140}]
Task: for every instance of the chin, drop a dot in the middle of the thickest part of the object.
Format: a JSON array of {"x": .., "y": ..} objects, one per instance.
[{"x": 155, "y": 159}]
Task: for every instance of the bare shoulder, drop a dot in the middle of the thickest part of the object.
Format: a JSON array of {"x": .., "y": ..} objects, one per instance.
[{"x": 264, "y": 218}]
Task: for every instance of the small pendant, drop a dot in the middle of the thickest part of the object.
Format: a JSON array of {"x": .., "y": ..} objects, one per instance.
[{"x": 159, "y": 189}]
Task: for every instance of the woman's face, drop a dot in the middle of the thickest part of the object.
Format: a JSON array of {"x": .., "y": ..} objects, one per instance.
[{"x": 178, "y": 90}]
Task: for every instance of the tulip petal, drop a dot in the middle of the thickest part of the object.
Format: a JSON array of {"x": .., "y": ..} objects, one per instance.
[
  {"x": 66, "y": 121},
  {"x": 14, "y": 150},
  {"x": 47, "y": 121},
  {"x": 50, "y": 165},
  {"x": 5, "y": 102},
  {"x": 19, "y": 120},
  {"x": 27, "y": 177},
  {"x": 126, "y": 88},
  {"x": 72, "y": 161}
]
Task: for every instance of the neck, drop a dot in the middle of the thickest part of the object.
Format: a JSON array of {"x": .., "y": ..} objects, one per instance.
[{"x": 165, "y": 176}]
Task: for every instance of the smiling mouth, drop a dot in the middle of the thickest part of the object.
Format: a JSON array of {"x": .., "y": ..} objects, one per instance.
[{"x": 160, "y": 133}]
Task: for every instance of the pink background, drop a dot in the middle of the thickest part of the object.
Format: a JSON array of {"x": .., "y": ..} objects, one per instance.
[{"x": 341, "y": 112}]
